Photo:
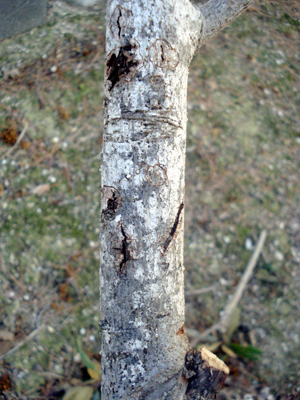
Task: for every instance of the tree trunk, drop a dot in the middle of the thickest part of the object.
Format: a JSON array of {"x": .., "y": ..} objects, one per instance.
[{"x": 149, "y": 45}]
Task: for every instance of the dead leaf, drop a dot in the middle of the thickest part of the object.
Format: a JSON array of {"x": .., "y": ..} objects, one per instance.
[
  {"x": 6, "y": 335},
  {"x": 95, "y": 373},
  {"x": 213, "y": 347},
  {"x": 41, "y": 189},
  {"x": 79, "y": 393},
  {"x": 228, "y": 351}
]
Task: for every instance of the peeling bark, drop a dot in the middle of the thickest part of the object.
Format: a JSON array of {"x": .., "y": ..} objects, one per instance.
[{"x": 145, "y": 352}]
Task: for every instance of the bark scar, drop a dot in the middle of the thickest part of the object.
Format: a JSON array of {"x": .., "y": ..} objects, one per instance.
[
  {"x": 122, "y": 63},
  {"x": 124, "y": 250},
  {"x": 111, "y": 201},
  {"x": 173, "y": 229},
  {"x": 181, "y": 330}
]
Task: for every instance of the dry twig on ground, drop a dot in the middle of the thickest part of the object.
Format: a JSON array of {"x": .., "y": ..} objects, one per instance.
[{"x": 223, "y": 324}]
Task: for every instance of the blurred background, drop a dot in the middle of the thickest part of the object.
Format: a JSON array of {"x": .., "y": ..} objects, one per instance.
[{"x": 242, "y": 176}]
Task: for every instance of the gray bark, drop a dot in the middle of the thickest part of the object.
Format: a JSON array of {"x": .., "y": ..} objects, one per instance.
[{"x": 145, "y": 352}]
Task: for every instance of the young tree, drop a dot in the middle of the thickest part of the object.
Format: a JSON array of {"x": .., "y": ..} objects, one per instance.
[{"x": 149, "y": 46}]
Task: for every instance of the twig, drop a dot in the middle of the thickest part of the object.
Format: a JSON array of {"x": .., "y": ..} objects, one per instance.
[
  {"x": 22, "y": 342},
  {"x": 196, "y": 292},
  {"x": 20, "y": 137},
  {"x": 222, "y": 325}
]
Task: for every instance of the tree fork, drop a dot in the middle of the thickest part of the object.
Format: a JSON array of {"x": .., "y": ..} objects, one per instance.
[{"x": 145, "y": 352}]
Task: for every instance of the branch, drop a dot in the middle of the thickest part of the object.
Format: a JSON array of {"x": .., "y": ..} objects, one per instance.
[
  {"x": 222, "y": 325},
  {"x": 217, "y": 14},
  {"x": 205, "y": 374}
]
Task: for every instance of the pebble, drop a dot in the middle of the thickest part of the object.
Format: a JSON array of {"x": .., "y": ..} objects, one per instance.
[
  {"x": 226, "y": 239},
  {"x": 278, "y": 255},
  {"x": 26, "y": 297},
  {"x": 248, "y": 244},
  {"x": 55, "y": 139},
  {"x": 223, "y": 281},
  {"x": 64, "y": 145},
  {"x": 53, "y": 69},
  {"x": 77, "y": 358},
  {"x": 11, "y": 294},
  {"x": 92, "y": 338},
  {"x": 82, "y": 331},
  {"x": 281, "y": 225},
  {"x": 52, "y": 179},
  {"x": 50, "y": 329}
]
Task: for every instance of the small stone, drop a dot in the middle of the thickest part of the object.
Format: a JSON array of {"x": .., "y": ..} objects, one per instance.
[
  {"x": 4, "y": 162},
  {"x": 52, "y": 179},
  {"x": 92, "y": 338},
  {"x": 50, "y": 329},
  {"x": 285, "y": 347},
  {"x": 223, "y": 281},
  {"x": 279, "y": 113},
  {"x": 82, "y": 331},
  {"x": 26, "y": 297},
  {"x": 53, "y": 69},
  {"x": 278, "y": 255},
  {"x": 281, "y": 225},
  {"x": 297, "y": 140},
  {"x": 92, "y": 243},
  {"x": 128, "y": 176},
  {"x": 55, "y": 139},
  {"x": 267, "y": 92},
  {"x": 248, "y": 244},
  {"x": 11, "y": 294},
  {"x": 226, "y": 239},
  {"x": 77, "y": 358},
  {"x": 64, "y": 145}
]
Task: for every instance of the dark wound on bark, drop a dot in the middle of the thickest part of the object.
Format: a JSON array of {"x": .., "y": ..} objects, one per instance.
[
  {"x": 124, "y": 250},
  {"x": 111, "y": 202},
  {"x": 173, "y": 229},
  {"x": 122, "y": 65}
]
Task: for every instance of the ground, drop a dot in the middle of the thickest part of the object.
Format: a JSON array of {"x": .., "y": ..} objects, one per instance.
[{"x": 242, "y": 176}]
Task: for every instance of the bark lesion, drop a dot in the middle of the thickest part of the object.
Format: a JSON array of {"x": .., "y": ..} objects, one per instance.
[
  {"x": 125, "y": 251},
  {"x": 122, "y": 64},
  {"x": 111, "y": 202}
]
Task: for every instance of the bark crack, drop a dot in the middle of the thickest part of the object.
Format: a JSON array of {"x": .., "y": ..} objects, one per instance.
[
  {"x": 173, "y": 229},
  {"x": 124, "y": 250}
]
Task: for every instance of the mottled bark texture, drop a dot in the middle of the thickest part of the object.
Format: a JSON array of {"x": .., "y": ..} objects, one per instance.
[{"x": 145, "y": 352}]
